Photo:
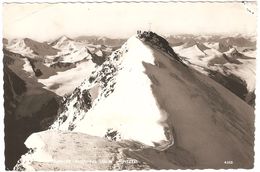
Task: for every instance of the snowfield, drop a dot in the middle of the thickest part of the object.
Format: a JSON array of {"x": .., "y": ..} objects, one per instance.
[{"x": 66, "y": 81}]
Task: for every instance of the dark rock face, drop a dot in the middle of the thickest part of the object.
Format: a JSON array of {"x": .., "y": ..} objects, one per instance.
[
  {"x": 98, "y": 60},
  {"x": 37, "y": 71},
  {"x": 250, "y": 98},
  {"x": 157, "y": 41},
  {"x": 232, "y": 60},
  {"x": 112, "y": 134},
  {"x": 5, "y": 41},
  {"x": 235, "y": 85},
  {"x": 223, "y": 47},
  {"x": 24, "y": 113},
  {"x": 231, "y": 82},
  {"x": 65, "y": 65}
]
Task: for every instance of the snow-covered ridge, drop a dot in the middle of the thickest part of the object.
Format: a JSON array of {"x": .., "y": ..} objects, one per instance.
[
  {"x": 107, "y": 110},
  {"x": 64, "y": 150}
]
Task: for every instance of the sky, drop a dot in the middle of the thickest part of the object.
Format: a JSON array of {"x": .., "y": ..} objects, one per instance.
[{"x": 44, "y": 21}]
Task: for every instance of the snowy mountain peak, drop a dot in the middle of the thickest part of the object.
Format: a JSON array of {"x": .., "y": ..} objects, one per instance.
[
  {"x": 19, "y": 46},
  {"x": 121, "y": 78},
  {"x": 17, "y": 43},
  {"x": 102, "y": 38},
  {"x": 198, "y": 45},
  {"x": 60, "y": 41},
  {"x": 63, "y": 38}
]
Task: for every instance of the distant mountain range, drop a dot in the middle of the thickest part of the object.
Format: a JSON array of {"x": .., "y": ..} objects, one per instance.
[
  {"x": 229, "y": 61},
  {"x": 236, "y": 40}
]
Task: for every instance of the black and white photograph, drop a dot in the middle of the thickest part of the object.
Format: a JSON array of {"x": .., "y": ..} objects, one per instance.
[{"x": 129, "y": 85}]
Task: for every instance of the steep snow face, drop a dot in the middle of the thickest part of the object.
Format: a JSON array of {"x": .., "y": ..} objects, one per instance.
[
  {"x": 128, "y": 117},
  {"x": 124, "y": 110},
  {"x": 63, "y": 42},
  {"x": 192, "y": 51},
  {"x": 27, "y": 67}
]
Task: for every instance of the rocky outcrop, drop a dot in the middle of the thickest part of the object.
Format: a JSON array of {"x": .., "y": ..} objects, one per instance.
[{"x": 158, "y": 42}]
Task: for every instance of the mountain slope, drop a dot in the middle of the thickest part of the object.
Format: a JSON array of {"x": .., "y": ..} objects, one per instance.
[
  {"x": 28, "y": 107},
  {"x": 204, "y": 116},
  {"x": 145, "y": 94},
  {"x": 233, "y": 69},
  {"x": 41, "y": 49}
]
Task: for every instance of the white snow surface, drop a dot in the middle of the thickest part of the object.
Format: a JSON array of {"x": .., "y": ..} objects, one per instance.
[
  {"x": 130, "y": 105},
  {"x": 68, "y": 80},
  {"x": 99, "y": 53},
  {"x": 213, "y": 45},
  {"x": 191, "y": 52},
  {"x": 251, "y": 53},
  {"x": 246, "y": 71},
  {"x": 27, "y": 67},
  {"x": 38, "y": 146}
]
